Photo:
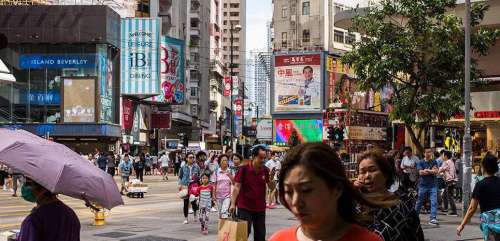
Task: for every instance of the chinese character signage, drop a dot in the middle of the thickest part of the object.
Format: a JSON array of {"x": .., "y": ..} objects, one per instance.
[
  {"x": 140, "y": 43},
  {"x": 238, "y": 107},
  {"x": 79, "y": 95},
  {"x": 297, "y": 83},
  {"x": 227, "y": 86},
  {"x": 34, "y": 61},
  {"x": 172, "y": 72}
]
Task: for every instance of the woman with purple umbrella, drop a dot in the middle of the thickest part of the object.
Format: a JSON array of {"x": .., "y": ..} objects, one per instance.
[{"x": 51, "y": 219}]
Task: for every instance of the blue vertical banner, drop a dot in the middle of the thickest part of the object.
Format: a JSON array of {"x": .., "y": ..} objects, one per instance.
[
  {"x": 139, "y": 61},
  {"x": 105, "y": 70}
]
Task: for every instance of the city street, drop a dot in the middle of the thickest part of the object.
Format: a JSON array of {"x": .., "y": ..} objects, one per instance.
[{"x": 159, "y": 217}]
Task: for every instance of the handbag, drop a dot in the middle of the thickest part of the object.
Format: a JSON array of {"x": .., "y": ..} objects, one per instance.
[
  {"x": 490, "y": 223},
  {"x": 183, "y": 194},
  {"x": 232, "y": 230}
]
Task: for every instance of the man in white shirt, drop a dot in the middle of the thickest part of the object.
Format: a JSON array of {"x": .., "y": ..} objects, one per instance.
[
  {"x": 165, "y": 161},
  {"x": 274, "y": 166},
  {"x": 409, "y": 167}
]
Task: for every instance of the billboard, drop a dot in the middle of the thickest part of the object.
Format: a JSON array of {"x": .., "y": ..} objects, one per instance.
[
  {"x": 297, "y": 83},
  {"x": 139, "y": 56},
  {"x": 265, "y": 129},
  {"x": 172, "y": 73},
  {"x": 298, "y": 131},
  {"x": 79, "y": 100}
]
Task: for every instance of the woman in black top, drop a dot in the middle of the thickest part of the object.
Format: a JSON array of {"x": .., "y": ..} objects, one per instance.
[
  {"x": 397, "y": 220},
  {"x": 486, "y": 193}
]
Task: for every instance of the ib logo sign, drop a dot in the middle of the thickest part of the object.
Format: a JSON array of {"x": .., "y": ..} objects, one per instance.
[{"x": 139, "y": 57}]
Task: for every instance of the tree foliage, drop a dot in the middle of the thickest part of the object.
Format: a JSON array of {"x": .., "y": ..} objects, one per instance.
[{"x": 417, "y": 47}]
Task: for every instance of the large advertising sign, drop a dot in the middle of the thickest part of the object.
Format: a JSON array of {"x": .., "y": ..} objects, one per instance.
[
  {"x": 128, "y": 110},
  {"x": 79, "y": 100},
  {"x": 172, "y": 72},
  {"x": 140, "y": 43},
  {"x": 265, "y": 129},
  {"x": 297, "y": 83},
  {"x": 297, "y": 131}
]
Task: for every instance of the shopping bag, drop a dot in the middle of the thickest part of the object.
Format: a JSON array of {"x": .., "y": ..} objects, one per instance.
[{"x": 232, "y": 230}]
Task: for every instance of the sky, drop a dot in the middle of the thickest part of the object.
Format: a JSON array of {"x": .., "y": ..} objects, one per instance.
[{"x": 259, "y": 12}]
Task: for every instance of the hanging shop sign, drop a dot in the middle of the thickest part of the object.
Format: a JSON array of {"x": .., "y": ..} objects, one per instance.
[
  {"x": 161, "y": 119},
  {"x": 366, "y": 133},
  {"x": 36, "y": 61},
  {"x": 140, "y": 68},
  {"x": 172, "y": 78},
  {"x": 265, "y": 129},
  {"x": 128, "y": 109},
  {"x": 227, "y": 86},
  {"x": 238, "y": 107}
]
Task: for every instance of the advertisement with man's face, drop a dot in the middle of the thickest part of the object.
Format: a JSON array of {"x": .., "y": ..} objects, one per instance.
[
  {"x": 297, "y": 83},
  {"x": 79, "y": 100}
]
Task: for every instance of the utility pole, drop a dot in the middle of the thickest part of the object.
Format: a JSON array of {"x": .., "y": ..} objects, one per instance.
[
  {"x": 233, "y": 29},
  {"x": 467, "y": 158},
  {"x": 231, "y": 78}
]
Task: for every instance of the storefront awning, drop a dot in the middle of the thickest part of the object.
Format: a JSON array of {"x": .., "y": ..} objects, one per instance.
[{"x": 5, "y": 74}]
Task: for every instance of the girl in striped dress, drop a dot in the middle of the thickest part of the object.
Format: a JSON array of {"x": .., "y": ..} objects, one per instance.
[{"x": 205, "y": 202}]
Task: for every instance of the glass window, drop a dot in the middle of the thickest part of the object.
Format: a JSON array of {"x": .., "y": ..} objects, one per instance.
[
  {"x": 306, "y": 8},
  {"x": 305, "y": 36},
  {"x": 284, "y": 12},
  {"x": 284, "y": 39},
  {"x": 234, "y": 5},
  {"x": 338, "y": 36},
  {"x": 36, "y": 95},
  {"x": 234, "y": 14},
  {"x": 350, "y": 38}
]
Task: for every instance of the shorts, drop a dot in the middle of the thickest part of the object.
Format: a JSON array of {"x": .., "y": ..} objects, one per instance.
[
  {"x": 125, "y": 179},
  {"x": 165, "y": 169}
]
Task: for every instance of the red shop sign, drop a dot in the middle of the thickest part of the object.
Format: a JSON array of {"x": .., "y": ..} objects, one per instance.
[{"x": 486, "y": 114}]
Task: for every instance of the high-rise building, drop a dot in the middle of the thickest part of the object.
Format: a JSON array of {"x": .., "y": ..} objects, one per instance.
[
  {"x": 308, "y": 25},
  {"x": 219, "y": 103},
  {"x": 262, "y": 83},
  {"x": 233, "y": 15},
  {"x": 198, "y": 90}
]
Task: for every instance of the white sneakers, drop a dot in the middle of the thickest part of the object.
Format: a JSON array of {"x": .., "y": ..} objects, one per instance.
[
  {"x": 190, "y": 211},
  {"x": 185, "y": 221},
  {"x": 213, "y": 210}
]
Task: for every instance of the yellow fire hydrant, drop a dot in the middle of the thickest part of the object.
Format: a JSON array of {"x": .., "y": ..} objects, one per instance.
[{"x": 99, "y": 216}]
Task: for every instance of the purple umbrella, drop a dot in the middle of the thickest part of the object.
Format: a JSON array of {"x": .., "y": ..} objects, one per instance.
[{"x": 57, "y": 168}]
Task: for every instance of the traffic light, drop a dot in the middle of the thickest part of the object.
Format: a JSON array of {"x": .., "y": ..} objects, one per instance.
[
  {"x": 185, "y": 141},
  {"x": 331, "y": 133},
  {"x": 338, "y": 134}
]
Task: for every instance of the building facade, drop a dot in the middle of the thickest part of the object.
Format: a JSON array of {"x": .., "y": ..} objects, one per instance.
[
  {"x": 66, "y": 85},
  {"x": 262, "y": 80},
  {"x": 307, "y": 25}
]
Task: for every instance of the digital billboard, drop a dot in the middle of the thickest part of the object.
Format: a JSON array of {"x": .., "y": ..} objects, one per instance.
[
  {"x": 297, "y": 83},
  {"x": 79, "y": 100},
  {"x": 298, "y": 131}
]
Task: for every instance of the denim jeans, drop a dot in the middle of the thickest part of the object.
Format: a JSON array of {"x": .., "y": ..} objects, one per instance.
[{"x": 423, "y": 194}]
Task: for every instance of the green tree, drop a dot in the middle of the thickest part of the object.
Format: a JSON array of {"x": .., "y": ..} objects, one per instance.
[{"x": 417, "y": 48}]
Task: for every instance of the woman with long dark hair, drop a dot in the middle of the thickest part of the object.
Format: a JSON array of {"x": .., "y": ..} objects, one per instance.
[{"x": 316, "y": 190}]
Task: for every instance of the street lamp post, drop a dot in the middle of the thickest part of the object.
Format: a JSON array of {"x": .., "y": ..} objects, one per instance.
[
  {"x": 233, "y": 29},
  {"x": 467, "y": 137}
]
